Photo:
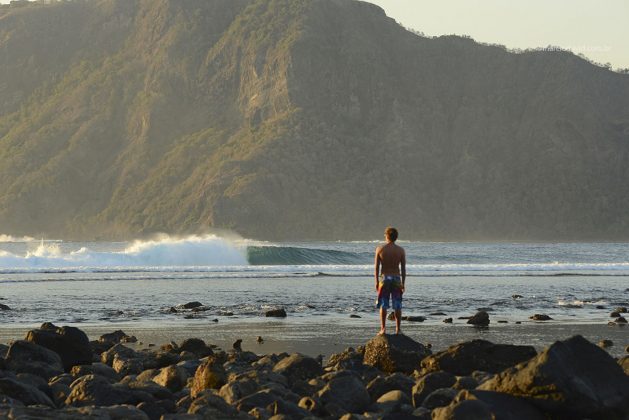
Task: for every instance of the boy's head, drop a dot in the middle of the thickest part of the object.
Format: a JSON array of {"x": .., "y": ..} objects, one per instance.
[{"x": 391, "y": 234}]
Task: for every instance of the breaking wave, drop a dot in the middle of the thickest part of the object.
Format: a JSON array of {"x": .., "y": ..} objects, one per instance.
[{"x": 206, "y": 250}]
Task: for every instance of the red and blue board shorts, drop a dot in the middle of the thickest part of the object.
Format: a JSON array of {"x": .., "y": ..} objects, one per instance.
[{"x": 389, "y": 289}]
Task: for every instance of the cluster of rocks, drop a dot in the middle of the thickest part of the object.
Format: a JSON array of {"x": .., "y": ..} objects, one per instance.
[
  {"x": 192, "y": 310},
  {"x": 56, "y": 372}
]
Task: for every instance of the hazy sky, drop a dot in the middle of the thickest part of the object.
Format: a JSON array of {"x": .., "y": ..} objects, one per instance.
[{"x": 598, "y": 29}]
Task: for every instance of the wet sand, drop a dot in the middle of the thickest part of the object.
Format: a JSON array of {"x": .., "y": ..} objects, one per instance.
[{"x": 319, "y": 337}]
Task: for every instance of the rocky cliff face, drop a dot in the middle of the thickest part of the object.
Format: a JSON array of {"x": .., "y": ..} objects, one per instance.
[{"x": 308, "y": 119}]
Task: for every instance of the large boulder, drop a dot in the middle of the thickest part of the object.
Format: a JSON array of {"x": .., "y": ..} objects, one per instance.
[
  {"x": 427, "y": 384},
  {"x": 196, "y": 346},
  {"x": 394, "y": 353},
  {"x": 27, "y": 394},
  {"x": 24, "y": 356},
  {"x": 464, "y": 358},
  {"x": 96, "y": 390},
  {"x": 298, "y": 367},
  {"x": 70, "y": 343},
  {"x": 172, "y": 377},
  {"x": 624, "y": 364},
  {"x": 571, "y": 378},
  {"x": 393, "y": 382},
  {"x": 487, "y": 405},
  {"x": 346, "y": 392},
  {"x": 209, "y": 375}
]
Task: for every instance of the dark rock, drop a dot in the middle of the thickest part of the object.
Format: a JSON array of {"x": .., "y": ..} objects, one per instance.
[
  {"x": 620, "y": 320},
  {"x": 621, "y": 309},
  {"x": 112, "y": 338},
  {"x": 430, "y": 383},
  {"x": 414, "y": 318},
  {"x": 439, "y": 398},
  {"x": 437, "y": 314},
  {"x": 481, "y": 319},
  {"x": 96, "y": 390},
  {"x": 260, "y": 399},
  {"x": 155, "y": 410},
  {"x": 571, "y": 378},
  {"x": 600, "y": 307},
  {"x": 465, "y": 382},
  {"x": 349, "y": 359},
  {"x": 276, "y": 313},
  {"x": 354, "y": 316},
  {"x": 100, "y": 369},
  {"x": 172, "y": 377},
  {"x": 237, "y": 345},
  {"x": 190, "y": 305},
  {"x": 395, "y": 381},
  {"x": 70, "y": 343},
  {"x": 346, "y": 392},
  {"x": 624, "y": 364},
  {"x": 260, "y": 339},
  {"x": 392, "y": 401},
  {"x": 502, "y": 321},
  {"x": 4, "y": 307},
  {"x": 27, "y": 357},
  {"x": 209, "y": 406},
  {"x": 287, "y": 408},
  {"x": 238, "y": 389},
  {"x": 518, "y": 322},
  {"x": 614, "y": 314},
  {"x": 118, "y": 351},
  {"x": 540, "y": 317},
  {"x": 297, "y": 366},
  {"x": 487, "y": 405},
  {"x": 394, "y": 353},
  {"x": 605, "y": 344},
  {"x": 465, "y": 358},
  {"x": 196, "y": 346},
  {"x": 448, "y": 320},
  {"x": 27, "y": 394},
  {"x": 209, "y": 375},
  {"x": 514, "y": 297}
]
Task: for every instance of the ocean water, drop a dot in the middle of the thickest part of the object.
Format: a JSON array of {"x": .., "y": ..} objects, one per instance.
[{"x": 237, "y": 280}]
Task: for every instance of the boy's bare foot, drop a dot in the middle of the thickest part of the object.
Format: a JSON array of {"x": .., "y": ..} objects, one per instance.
[{"x": 382, "y": 332}]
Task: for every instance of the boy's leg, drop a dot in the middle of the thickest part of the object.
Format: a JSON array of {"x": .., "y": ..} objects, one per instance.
[
  {"x": 383, "y": 319},
  {"x": 398, "y": 321}
]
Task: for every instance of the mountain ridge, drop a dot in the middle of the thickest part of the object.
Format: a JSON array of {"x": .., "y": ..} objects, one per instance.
[{"x": 308, "y": 119}]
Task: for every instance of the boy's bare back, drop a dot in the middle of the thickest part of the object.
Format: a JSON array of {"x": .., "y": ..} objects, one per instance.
[{"x": 391, "y": 256}]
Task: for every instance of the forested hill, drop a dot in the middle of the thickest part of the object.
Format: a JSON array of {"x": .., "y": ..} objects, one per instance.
[{"x": 298, "y": 119}]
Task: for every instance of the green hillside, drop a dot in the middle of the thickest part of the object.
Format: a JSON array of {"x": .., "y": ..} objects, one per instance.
[{"x": 298, "y": 119}]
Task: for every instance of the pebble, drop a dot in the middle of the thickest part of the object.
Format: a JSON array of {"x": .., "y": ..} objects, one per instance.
[
  {"x": 605, "y": 344},
  {"x": 448, "y": 320}
]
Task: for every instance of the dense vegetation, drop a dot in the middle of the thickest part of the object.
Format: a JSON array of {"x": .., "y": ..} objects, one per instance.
[{"x": 295, "y": 119}]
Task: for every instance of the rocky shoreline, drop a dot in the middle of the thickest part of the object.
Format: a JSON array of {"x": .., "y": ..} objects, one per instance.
[{"x": 56, "y": 372}]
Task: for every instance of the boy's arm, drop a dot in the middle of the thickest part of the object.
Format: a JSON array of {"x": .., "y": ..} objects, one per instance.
[
  {"x": 403, "y": 268},
  {"x": 376, "y": 268}
]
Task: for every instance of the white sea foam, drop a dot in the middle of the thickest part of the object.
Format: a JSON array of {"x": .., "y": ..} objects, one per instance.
[
  {"x": 208, "y": 250},
  {"x": 9, "y": 238}
]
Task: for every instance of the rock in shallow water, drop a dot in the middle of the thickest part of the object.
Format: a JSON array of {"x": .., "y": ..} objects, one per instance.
[
  {"x": 477, "y": 355},
  {"x": 571, "y": 378},
  {"x": 276, "y": 313},
  {"x": 394, "y": 353},
  {"x": 481, "y": 319},
  {"x": 540, "y": 317}
]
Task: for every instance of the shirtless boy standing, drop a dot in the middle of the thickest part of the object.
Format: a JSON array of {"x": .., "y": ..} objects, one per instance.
[{"x": 390, "y": 274}]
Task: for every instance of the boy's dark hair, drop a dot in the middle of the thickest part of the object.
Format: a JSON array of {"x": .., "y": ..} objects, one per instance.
[{"x": 391, "y": 233}]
